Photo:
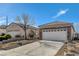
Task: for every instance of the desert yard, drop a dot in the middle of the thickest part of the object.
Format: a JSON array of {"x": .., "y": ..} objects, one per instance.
[{"x": 73, "y": 48}]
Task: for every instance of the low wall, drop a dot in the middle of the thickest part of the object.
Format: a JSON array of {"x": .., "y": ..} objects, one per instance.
[{"x": 61, "y": 51}]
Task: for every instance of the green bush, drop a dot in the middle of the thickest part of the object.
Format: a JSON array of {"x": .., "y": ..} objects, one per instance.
[
  {"x": 5, "y": 37},
  {"x": 8, "y": 36},
  {"x": 2, "y": 38},
  {"x": 2, "y": 34}
]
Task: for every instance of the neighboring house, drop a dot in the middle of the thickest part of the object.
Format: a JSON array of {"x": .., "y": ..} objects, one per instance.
[
  {"x": 2, "y": 29},
  {"x": 18, "y": 29},
  {"x": 15, "y": 29},
  {"x": 58, "y": 31}
]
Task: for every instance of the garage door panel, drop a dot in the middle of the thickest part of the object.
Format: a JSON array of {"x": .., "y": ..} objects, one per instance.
[{"x": 60, "y": 36}]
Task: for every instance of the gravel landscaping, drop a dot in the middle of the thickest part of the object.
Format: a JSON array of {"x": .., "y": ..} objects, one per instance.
[{"x": 11, "y": 45}]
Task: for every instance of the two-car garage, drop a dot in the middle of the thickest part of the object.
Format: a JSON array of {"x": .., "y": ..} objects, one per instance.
[{"x": 56, "y": 31}]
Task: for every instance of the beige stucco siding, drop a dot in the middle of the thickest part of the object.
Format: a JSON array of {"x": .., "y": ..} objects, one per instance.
[{"x": 72, "y": 33}]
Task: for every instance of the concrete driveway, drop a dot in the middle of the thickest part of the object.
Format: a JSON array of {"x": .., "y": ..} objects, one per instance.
[{"x": 39, "y": 48}]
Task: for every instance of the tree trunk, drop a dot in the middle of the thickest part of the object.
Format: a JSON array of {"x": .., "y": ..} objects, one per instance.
[{"x": 25, "y": 33}]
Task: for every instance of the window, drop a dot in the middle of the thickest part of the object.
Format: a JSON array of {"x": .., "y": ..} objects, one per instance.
[
  {"x": 58, "y": 30},
  {"x": 64, "y": 29},
  {"x": 46, "y": 30},
  {"x": 61, "y": 29},
  {"x": 52, "y": 30},
  {"x": 49, "y": 30},
  {"x": 43, "y": 30}
]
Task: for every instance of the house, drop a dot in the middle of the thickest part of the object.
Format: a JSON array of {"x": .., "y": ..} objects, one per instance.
[
  {"x": 18, "y": 29},
  {"x": 57, "y": 31}
]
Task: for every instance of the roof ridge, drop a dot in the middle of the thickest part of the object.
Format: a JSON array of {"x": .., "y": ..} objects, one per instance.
[{"x": 54, "y": 23}]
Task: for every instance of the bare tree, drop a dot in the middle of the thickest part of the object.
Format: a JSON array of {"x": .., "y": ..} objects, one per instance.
[
  {"x": 32, "y": 22},
  {"x": 33, "y": 31},
  {"x": 25, "y": 19}
]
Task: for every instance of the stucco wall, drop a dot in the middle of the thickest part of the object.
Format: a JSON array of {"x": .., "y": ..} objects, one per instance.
[{"x": 72, "y": 33}]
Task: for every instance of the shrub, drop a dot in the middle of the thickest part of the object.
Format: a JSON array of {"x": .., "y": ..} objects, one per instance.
[
  {"x": 8, "y": 36},
  {"x": 2, "y": 34},
  {"x": 2, "y": 38},
  {"x": 5, "y": 37}
]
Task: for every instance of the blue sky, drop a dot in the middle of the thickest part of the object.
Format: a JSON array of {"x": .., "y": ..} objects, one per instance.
[{"x": 42, "y": 13}]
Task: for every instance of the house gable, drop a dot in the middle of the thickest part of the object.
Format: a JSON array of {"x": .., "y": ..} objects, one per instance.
[{"x": 14, "y": 27}]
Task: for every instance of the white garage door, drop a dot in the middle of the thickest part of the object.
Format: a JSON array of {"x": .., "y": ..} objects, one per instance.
[{"x": 58, "y": 36}]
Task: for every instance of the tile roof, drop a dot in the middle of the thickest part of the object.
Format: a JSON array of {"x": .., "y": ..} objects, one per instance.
[{"x": 56, "y": 24}]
